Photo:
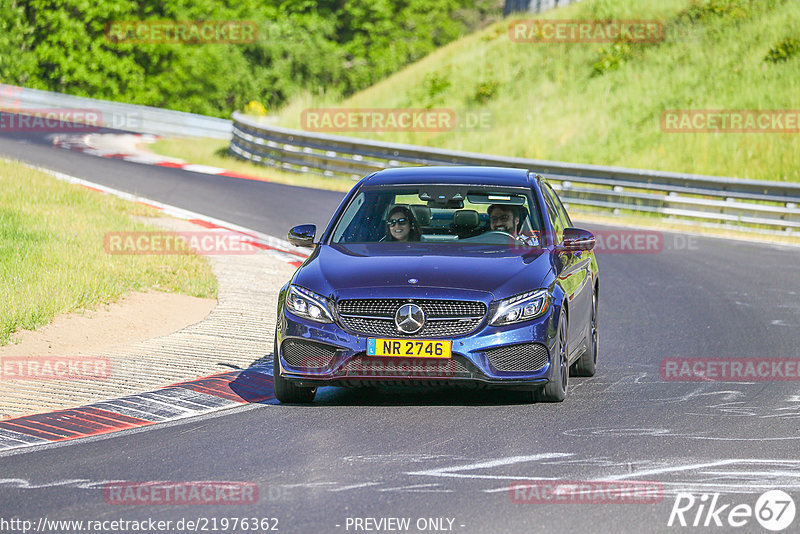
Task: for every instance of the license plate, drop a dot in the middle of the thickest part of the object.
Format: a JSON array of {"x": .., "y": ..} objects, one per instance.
[{"x": 417, "y": 348}]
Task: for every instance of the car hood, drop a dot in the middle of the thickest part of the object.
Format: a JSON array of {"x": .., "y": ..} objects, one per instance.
[{"x": 344, "y": 271}]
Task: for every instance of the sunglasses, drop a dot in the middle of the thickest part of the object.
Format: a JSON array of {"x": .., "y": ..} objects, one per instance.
[{"x": 391, "y": 222}]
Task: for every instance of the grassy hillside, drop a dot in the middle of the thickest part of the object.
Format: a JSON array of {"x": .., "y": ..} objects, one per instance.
[{"x": 602, "y": 103}]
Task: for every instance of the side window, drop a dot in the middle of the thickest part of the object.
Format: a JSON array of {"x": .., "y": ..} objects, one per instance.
[
  {"x": 561, "y": 210},
  {"x": 552, "y": 213},
  {"x": 346, "y": 219},
  {"x": 552, "y": 201}
]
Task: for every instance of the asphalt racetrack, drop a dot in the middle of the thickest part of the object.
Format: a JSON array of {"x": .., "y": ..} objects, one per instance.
[{"x": 445, "y": 460}]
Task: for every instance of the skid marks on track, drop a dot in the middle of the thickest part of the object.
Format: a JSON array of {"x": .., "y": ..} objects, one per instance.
[
  {"x": 495, "y": 476},
  {"x": 733, "y": 475},
  {"x": 707, "y": 399}
]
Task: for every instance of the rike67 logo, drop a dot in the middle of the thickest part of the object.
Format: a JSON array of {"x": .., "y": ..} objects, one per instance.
[{"x": 774, "y": 510}]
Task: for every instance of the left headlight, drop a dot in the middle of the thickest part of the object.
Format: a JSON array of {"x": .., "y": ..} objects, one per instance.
[
  {"x": 309, "y": 305},
  {"x": 520, "y": 308}
]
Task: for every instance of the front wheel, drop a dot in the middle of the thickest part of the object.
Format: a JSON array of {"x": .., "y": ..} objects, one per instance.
[
  {"x": 285, "y": 391},
  {"x": 556, "y": 389}
]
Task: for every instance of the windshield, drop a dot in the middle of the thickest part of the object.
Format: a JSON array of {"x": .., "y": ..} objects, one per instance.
[{"x": 440, "y": 214}]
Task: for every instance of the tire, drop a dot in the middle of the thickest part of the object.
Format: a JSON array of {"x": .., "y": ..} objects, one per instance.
[
  {"x": 556, "y": 389},
  {"x": 587, "y": 363},
  {"x": 285, "y": 391}
]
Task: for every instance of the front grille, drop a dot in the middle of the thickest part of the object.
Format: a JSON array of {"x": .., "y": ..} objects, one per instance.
[
  {"x": 432, "y": 308},
  {"x": 444, "y": 318},
  {"x": 365, "y": 366},
  {"x": 307, "y": 355},
  {"x": 524, "y": 357},
  {"x": 386, "y": 327}
]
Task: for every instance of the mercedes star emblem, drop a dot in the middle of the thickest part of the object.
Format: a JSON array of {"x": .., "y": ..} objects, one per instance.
[{"x": 409, "y": 319}]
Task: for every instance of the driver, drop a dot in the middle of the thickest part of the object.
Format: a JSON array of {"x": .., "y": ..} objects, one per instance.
[{"x": 504, "y": 218}]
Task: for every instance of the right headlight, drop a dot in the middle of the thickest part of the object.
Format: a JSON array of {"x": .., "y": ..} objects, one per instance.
[
  {"x": 309, "y": 305},
  {"x": 518, "y": 308}
]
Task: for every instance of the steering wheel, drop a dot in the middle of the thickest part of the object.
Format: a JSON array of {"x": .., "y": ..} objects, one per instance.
[
  {"x": 494, "y": 237},
  {"x": 497, "y": 232}
]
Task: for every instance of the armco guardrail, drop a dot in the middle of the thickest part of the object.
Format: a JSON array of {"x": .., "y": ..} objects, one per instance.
[
  {"x": 750, "y": 205},
  {"x": 128, "y": 117}
]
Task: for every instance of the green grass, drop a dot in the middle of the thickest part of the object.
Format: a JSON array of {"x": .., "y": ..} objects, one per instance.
[
  {"x": 52, "y": 259},
  {"x": 563, "y": 102}
]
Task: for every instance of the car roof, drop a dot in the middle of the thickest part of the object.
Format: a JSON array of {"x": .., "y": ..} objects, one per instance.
[{"x": 457, "y": 175}]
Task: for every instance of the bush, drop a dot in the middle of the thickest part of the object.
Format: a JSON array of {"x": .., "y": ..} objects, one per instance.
[
  {"x": 433, "y": 86},
  {"x": 783, "y": 51},
  {"x": 702, "y": 10},
  {"x": 611, "y": 57},
  {"x": 485, "y": 91}
]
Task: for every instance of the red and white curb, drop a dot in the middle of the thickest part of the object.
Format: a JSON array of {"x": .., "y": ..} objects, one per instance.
[
  {"x": 178, "y": 401},
  {"x": 122, "y": 146},
  {"x": 271, "y": 245}
]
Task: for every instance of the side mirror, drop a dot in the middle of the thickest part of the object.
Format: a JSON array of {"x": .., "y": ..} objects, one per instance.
[
  {"x": 303, "y": 235},
  {"x": 576, "y": 240}
]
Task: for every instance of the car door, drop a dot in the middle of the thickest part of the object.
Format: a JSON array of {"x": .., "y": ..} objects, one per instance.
[{"x": 575, "y": 275}]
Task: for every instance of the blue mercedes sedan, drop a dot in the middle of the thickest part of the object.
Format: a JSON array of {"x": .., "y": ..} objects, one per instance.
[{"x": 441, "y": 276}]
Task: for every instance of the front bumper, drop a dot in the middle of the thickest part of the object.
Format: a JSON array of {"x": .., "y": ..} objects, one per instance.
[{"x": 315, "y": 354}]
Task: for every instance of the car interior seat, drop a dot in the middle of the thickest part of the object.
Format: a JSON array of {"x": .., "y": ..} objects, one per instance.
[
  {"x": 524, "y": 223},
  {"x": 466, "y": 223},
  {"x": 422, "y": 214}
]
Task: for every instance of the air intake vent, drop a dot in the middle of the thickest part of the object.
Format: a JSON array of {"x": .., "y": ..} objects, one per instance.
[
  {"x": 418, "y": 367},
  {"x": 526, "y": 357},
  {"x": 307, "y": 355}
]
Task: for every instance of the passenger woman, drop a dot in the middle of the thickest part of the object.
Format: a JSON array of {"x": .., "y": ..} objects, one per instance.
[{"x": 401, "y": 225}]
